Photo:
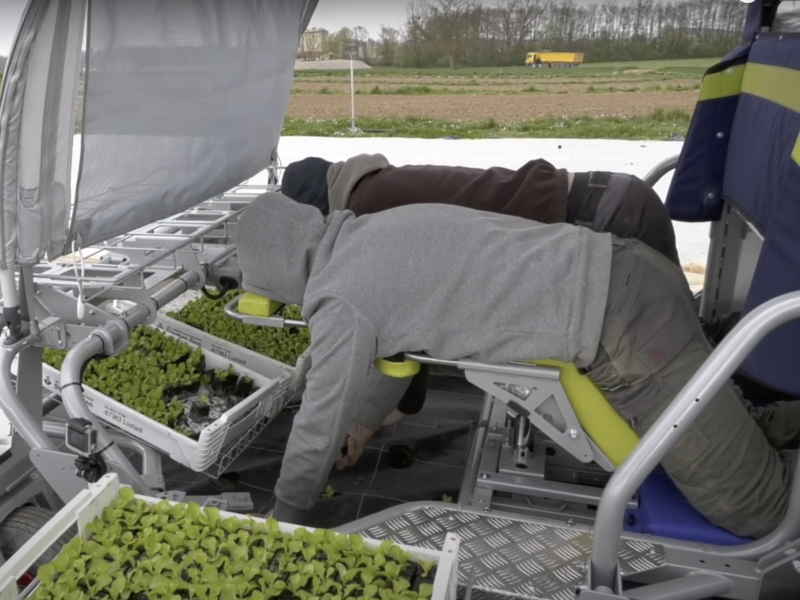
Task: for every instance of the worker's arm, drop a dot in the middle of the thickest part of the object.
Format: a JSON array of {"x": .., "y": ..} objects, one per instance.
[
  {"x": 382, "y": 396},
  {"x": 378, "y": 404},
  {"x": 342, "y": 350}
]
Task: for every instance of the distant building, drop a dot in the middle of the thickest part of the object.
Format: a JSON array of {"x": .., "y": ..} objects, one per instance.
[{"x": 313, "y": 44}]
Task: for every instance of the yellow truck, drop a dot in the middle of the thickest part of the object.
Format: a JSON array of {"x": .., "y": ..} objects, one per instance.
[{"x": 553, "y": 59}]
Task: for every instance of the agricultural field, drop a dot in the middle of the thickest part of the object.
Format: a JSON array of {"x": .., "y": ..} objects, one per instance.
[{"x": 650, "y": 99}]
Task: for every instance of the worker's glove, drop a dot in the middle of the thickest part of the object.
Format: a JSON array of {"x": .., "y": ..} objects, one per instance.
[
  {"x": 394, "y": 418},
  {"x": 357, "y": 439}
]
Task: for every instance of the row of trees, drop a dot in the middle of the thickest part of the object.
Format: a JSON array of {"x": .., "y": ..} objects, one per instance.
[{"x": 471, "y": 33}]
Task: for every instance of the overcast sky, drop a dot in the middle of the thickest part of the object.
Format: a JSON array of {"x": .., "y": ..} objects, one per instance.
[
  {"x": 10, "y": 11},
  {"x": 330, "y": 14},
  {"x": 371, "y": 14}
]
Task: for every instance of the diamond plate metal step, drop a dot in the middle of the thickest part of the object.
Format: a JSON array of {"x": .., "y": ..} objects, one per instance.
[{"x": 512, "y": 559}]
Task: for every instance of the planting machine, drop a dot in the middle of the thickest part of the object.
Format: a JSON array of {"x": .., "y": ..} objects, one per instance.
[{"x": 561, "y": 499}]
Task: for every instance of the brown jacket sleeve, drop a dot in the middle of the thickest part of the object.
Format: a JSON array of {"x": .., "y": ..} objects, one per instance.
[{"x": 536, "y": 191}]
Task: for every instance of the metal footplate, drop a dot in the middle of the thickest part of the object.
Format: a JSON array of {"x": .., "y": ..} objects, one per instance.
[{"x": 510, "y": 558}]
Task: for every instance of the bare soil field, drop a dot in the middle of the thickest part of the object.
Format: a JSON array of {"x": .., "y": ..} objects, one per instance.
[
  {"x": 508, "y": 95},
  {"x": 504, "y": 108}
]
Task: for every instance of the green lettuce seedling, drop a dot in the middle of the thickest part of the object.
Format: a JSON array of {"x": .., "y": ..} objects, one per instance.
[
  {"x": 152, "y": 374},
  {"x": 283, "y": 345},
  {"x": 140, "y": 551}
]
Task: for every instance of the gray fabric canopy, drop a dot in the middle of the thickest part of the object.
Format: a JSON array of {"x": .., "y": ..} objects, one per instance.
[{"x": 178, "y": 102}]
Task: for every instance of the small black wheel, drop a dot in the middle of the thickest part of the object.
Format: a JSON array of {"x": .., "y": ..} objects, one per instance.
[{"x": 19, "y": 527}]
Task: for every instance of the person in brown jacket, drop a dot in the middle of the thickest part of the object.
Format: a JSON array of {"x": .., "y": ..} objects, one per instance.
[{"x": 615, "y": 203}]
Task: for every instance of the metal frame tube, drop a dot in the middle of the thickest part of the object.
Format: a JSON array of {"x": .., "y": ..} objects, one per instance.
[
  {"x": 85, "y": 350},
  {"x": 72, "y": 396},
  {"x": 661, "y": 169},
  {"x": 474, "y": 461},
  {"x": 652, "y": 448},
  {"x": 698, "y": 586},
  {"x": 28, "y": 427}
]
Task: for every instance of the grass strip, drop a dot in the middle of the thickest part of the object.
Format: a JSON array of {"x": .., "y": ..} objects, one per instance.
[{"x": 658, "y": 125}]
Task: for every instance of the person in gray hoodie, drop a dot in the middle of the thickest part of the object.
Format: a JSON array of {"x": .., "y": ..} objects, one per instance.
[
  {"x": 459, "y": 283},
  {"x": 617, "y": 203}
]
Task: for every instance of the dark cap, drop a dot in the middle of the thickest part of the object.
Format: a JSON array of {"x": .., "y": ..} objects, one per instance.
[{"x": 306, "y": 182}]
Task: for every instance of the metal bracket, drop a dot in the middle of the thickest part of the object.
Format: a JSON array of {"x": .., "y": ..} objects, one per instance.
[
  {"x": 543, "y": 401},
  {"x": 58, "y": 470},
  {"x": 59, "y": 326},
  {"x": 600, "y": 458},
  {"x": 588, "y": 589},
  {"x": 155, "y": 481}
]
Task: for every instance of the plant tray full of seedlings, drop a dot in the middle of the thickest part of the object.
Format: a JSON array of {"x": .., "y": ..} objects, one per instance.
[
  {"x": 188, "y": 403},
  {"x": 203, "y": 322},
  {"x": 137, "y": 548}
]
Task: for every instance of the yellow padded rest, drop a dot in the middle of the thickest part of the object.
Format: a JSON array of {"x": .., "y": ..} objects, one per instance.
[
  {"x": 254, "y": 305},
  {"x": 612, "y": 434},
  {"x": 398, "y": 370}
]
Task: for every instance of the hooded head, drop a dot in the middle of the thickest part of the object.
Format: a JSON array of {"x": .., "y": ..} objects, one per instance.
[
  {"x": 276, "y": 239},
  {"x": 306, "y": 181}
]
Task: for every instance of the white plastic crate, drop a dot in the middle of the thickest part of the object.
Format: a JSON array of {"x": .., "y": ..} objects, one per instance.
[
  {"x": 219, "y": 443},
  {"x": 89, "y": 504},
  {"x": 258, "y": 363}
]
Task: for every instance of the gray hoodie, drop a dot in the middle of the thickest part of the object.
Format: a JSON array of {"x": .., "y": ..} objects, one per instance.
[
  {"x": 450, "y": 281},
  {"x": 344, "y": 176}
]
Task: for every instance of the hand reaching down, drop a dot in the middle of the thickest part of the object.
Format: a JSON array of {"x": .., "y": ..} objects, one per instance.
[
  {"x": 357, "y": 439},
  {"x": 394, "y": 418}
]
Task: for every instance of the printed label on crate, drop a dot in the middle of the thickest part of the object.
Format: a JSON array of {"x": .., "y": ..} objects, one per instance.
[
  {"x": 181, "y": 334},
  {"x": 226, "y": 354},
  {"x": 119, "y": 419}
]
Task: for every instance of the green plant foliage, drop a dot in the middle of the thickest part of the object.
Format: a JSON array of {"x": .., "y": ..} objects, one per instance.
[
  {"x": 164, "y": 379},
  {"x": 142, "y": 551},
  {"x": 284, "y": 345}
]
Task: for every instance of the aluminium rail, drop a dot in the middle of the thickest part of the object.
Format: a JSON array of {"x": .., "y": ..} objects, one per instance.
[{"x": 667, "y": 430}]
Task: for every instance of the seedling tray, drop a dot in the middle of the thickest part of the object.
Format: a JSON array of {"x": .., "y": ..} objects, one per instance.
[
  {"x": 89, "y": 505},
  {"x": 237, "y": 355},
  {"x": 218, "y": 444}
]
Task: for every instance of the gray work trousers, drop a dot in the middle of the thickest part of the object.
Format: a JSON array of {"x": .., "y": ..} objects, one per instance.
[{"x": 735, "y": 463}]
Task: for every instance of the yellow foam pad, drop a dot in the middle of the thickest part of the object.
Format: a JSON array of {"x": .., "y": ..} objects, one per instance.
[
  {"x": 398, "y": 370},
  {"x": 612, "y": 434},
  {"x": 254, "y": 305}
]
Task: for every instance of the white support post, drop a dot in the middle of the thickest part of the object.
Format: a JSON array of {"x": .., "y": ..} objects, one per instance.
[{"x": 353, "y": 127}]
